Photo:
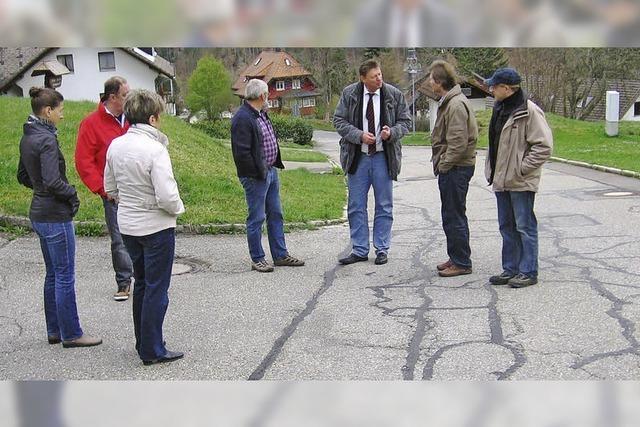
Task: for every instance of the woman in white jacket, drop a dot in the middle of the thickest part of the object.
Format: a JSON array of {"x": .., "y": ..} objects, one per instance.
[{"x": 138, "y": 174}]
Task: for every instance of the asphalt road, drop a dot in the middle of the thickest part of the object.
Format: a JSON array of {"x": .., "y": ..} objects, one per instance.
[{"x": 366, "y": 322}]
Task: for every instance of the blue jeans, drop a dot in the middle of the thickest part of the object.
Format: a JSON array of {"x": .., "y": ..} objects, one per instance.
[
  {"x": 119, "y": 256},
  {"x": 371, "y": 171},
  {"x": 454, "y": 186},
  {"x": 58, "y": 244},
  {"x": 519, "y": 229},
  {"x": 152, "y": 258},
  {"x": 263, "y": 202}
]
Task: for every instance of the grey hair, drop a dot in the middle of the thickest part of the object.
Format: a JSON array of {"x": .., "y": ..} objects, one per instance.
[
  {"x": 141, "y": 104},
  {"x": 255, "y": 88}
]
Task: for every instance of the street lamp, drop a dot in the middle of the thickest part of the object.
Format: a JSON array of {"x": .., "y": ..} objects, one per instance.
[{"x": 412, "y": 66}]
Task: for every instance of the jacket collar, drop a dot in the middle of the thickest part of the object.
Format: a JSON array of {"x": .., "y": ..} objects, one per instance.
[
  {"x": 150, "y": 131},
  {"x": 455, "y": 91},
  {"x": 34, "y": 122}
]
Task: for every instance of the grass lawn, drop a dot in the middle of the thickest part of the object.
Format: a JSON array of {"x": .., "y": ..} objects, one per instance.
[
  {"x": 418, "y": 138},
  {"x": 319, "y": 124},
  {"x": 302, "y": 155},
  {"x": 203, "y": 167}
]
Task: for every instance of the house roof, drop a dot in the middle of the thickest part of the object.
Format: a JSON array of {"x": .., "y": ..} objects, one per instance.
[
  {"x": 423, "y": 87},
  {"x": 269, "y": 65},
  {"x": 629, "y": 91},
  {"x": 16, "y": 61},
  {"x": 156, "y": 62}
]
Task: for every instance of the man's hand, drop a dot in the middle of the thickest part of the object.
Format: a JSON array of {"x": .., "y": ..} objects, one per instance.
[
  {"x": 368, "y": 138},
  {"x": 386, "y": 133}
]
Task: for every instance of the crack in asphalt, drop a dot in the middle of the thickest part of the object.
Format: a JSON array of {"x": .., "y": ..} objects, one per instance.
[
  {"x": 276, "y": 349},
  {"x": 627, "y": 326}
]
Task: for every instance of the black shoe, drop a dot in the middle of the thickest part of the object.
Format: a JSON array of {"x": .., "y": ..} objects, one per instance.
[
  {"x": 352, "y": 258},
  {"x": 170, "y": 356},
  {"x": 381, "y": 259},
  {"x": 501, "y": 279},
  {"x": 522, "y": 281},
  {"x": 54, "y": 339}
]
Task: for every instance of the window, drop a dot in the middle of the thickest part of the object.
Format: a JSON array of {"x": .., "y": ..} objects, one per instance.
[
  {"x": 286, "y": 61},
  {"x": 67, "y": 61},
  {"x": 107, "y": 61},
  {"x": 636, "y": 109},
  {"x": 280, "y": 85},
  {"x": 296, "y": 84},
  {"x": 273, "y": 103},
  {"x": 309, "y": 102}
]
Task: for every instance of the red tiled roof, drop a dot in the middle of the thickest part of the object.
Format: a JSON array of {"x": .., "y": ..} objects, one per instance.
[{"x": 270, "y": 65}]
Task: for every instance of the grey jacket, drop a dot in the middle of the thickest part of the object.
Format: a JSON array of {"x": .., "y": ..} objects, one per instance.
[{"x": 348, "y": 123}]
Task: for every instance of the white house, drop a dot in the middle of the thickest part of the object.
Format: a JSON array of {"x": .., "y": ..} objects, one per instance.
[{"x": 90, "y": 67}]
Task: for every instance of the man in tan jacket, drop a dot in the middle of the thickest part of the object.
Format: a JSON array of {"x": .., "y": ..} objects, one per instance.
[
  {"x": 454, "y": 139},
  {"x": 520, "y": 142}
]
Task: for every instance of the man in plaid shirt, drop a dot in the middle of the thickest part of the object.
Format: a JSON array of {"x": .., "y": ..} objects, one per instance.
[{"x": 257, "y": 155}]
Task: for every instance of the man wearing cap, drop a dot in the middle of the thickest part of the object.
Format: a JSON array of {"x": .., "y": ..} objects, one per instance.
[
  {"x": 371, "y": 117},
  {"x": 454, "y": 139},
  {"x": 520, "y": 142}
]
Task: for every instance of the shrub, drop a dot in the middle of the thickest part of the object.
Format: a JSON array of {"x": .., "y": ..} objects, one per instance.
[
  {"x": 295, "y": 129},
  {"x": 220, "y": 128}
]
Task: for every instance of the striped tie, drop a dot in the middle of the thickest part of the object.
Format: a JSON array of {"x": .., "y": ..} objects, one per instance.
[{"x": 371, "y": 119}]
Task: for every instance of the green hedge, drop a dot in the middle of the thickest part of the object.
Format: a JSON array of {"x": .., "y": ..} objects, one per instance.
[
  {"x": 295, "y": 129},
  {"x": 220, "y": 129},
  {"x": 290, "y": 128}
]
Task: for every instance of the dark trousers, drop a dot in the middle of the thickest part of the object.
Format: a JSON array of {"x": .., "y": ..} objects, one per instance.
[
  {"x": 119, "y": 256},
  {"x": 454, "y": 185},
  {"x": 152, "y": 258}
]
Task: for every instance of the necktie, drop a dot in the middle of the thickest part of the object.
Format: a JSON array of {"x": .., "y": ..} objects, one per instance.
[{"x": 371, "y": 121}]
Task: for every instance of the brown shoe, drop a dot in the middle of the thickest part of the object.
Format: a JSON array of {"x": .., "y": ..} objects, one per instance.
[
  {"x": 288, "y": 261},
  {"x": 454, "y": 270},
  {"x": 123, "y": 293},
  {"x": 444, "y": 265},
  {"x": 83, "y": 341},
  {"x": 262, "y": 266}
]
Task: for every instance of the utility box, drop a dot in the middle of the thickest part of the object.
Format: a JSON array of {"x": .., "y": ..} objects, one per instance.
[{"x": 612, "y": 113}]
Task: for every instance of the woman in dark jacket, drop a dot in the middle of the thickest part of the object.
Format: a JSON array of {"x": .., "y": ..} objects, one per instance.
[{"x": 54, "y": 203}]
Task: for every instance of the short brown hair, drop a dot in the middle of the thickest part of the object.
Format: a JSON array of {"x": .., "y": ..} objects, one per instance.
[
  {"x": 112, "y": 87},
  {"x": 42, "y": 97},
  {"x": 141, "y": 104},
  {"x": 443, "y": 73},
  {"x": 368, "y": 65}
]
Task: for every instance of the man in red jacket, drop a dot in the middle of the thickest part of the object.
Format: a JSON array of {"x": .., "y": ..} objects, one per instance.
[{"x": 96, "y": 132}]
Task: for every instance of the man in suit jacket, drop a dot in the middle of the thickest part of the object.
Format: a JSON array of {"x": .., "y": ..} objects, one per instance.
[{"x": 371, "y": 117}]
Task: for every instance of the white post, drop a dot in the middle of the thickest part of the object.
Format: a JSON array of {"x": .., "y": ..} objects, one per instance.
[
  {"x": 433, "y": 114},
  {"x": 413, "y": 97},
  {"x": 613, "y": 113}
]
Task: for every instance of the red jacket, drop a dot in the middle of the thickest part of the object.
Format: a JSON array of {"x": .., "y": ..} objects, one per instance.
[{"x": 97, "y": 130}]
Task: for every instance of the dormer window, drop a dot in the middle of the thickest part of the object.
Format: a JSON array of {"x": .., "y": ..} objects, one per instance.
[
  {"x": 286, "y": 61},
  {"x": 280, "y": 85},
  {"x": 257, "y": 61}
]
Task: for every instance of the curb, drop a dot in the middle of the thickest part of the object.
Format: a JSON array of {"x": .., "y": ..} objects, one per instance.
[
  {"x": 623, "y": 172},
  {"x": 18, "y": 221}
]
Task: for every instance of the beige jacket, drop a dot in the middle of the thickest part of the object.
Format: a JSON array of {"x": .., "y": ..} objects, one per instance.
[
  {"x": 455, "y": 133},
  {"x": 138, "y": 172},
  {"x": 526, "y": 143}
]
